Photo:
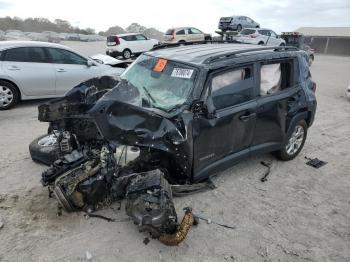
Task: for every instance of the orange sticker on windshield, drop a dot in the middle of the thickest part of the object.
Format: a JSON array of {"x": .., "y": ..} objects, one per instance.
[{"x": 160, "y": 65}]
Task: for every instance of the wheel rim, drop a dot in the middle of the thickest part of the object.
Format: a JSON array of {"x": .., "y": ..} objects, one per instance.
[
  {"x": 49, "y": 140},
  {"x": 295, "y": 141},
  {"x": 126, "y": 54},
  {"x": 6, "y": 96}
]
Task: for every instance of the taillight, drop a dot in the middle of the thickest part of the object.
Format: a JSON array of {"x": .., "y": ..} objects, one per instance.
[
  {"x": 314, "y": 87},
  {"x": 116, "y": 40}
]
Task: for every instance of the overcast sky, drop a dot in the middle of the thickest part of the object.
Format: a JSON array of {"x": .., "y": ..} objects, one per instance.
[{"x": 279, "y": 15}]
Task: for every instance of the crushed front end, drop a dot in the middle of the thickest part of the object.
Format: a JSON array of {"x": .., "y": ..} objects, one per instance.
[{"x": 113, "y": 145}]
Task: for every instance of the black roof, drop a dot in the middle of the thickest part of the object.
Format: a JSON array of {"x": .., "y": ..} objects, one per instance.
[{"x": 201, "y": 54}]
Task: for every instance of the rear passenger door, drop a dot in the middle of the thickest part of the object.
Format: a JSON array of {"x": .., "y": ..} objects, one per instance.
[
  {"x": 131, "y": 43},
  {"x": 30, "y": 70},
  {"x": 143, "y": 44},
  {"x": 195, "y": 34},
  {"x": 230, "y": 131},
  {"x": 279, "y": 94}
]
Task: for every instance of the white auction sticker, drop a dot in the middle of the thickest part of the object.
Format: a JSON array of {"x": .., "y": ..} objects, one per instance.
[{"x": 182, "y": 73}]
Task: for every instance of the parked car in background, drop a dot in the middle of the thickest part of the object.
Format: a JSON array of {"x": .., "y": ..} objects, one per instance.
[
  {"x": 15, "y": 35},
  {"x": 53, "y": 37},
  {"x": 33, "y": 70},
  {"x": 260, "y": 36},
  {"x": 185, "y": 34},
  {"x": 237, "y": 23},
  {"x": 298, "y": 40},
  {"x": 128, "y": 44}
]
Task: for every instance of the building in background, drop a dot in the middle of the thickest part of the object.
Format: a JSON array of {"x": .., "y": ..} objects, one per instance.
[{"x": 327, "y": 40}]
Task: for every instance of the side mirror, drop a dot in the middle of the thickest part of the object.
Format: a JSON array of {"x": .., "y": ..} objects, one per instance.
[{"x": 89, "y": 63}]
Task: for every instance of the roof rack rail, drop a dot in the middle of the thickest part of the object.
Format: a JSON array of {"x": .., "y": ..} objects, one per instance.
[
  {"x": 163, "y": 46},
  {"x": 230, "y": 54}
]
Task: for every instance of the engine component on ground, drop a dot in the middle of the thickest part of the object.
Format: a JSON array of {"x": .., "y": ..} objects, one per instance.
[
  {"x": 150, "y": 205},
  {"x": 180, "y": 235}
]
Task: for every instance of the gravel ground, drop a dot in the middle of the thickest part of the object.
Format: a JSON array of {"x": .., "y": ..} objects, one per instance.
[{"x": 299, "y": 214}]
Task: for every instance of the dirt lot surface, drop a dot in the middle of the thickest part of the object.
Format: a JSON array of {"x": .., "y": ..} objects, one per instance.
[{"x": 298, "y": 214}]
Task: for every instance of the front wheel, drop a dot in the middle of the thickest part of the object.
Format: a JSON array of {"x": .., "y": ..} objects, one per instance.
[
  {"x": 9, "y": 95},
  {"x": 294, "y": 143}
]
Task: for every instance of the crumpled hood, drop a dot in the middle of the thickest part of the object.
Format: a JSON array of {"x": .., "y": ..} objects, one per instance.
[{"x": 121, "y": 118}]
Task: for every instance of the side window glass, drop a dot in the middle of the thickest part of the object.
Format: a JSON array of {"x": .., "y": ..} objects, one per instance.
[
  {"x": 26, "y": 54},
  {"x": 140, "y": 37},
  {"x": 189, "y": 31},
  {"x": 195, "y": 31},
  {"x": 275, "y": 77},
  {"x": 129, "y": 38},
  {"x": 60, "y": 56},
  {"x": 181, "y": 32},
  {"x": 232, "y": 87},
  {"x": 273, "y": 34}
]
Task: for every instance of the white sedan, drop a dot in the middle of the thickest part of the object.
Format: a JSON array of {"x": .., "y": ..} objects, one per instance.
[{"x": 34, "y": 70}]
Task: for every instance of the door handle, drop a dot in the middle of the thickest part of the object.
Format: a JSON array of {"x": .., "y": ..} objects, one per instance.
[
  {"x": 13, "y": 68},
  {"x": 61, "y": 70},
  {"x": 247, "y": 117}
]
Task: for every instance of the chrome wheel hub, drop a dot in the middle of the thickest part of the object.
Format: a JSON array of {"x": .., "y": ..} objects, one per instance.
[
  {"x": 295, "y": 140},
  {"x": 49, "y": 140},
  {"x": 6, "y": 96}
]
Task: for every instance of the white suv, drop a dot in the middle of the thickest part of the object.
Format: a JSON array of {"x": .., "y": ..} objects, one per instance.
[
  {"x": 260, "y": 36},
  {"x": 128, "y": 44}
]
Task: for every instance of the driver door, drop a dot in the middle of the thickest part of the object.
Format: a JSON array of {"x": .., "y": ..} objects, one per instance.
[
  {"x": 228, "y": 133},
  {"x": 71, "y": 69}
]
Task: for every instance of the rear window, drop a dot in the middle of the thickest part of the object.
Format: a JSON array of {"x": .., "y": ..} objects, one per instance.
[
  {"x": 247, "y": 31},
  {"x": 112, "y": 40},
  {"x": 169, "y": 32}
]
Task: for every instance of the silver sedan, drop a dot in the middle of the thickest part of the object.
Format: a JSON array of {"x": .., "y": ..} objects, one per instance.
[{"x": 34, "y": 70}]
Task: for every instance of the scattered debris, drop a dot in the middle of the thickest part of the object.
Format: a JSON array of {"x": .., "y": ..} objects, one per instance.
[
  {"x": 1, "y": 223},
  {"x": 267, "y": 172},
  {"x": 210, "y": 221},
  {"x": 315, "y": 162},
  {"x": 146, "y": 241},
  {"x": 88, "y": 255},
  {"x": 88, "y": 215}
]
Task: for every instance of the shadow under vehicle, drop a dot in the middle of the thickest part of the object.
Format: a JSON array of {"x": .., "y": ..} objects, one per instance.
[{"x": 179, "y": 114}]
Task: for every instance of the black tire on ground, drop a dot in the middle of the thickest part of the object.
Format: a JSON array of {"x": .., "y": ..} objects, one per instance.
[
  {"x": 43, "y": 154},
  {"x": 8, "y": 90},
  {"x": 283, "y": 154},
  {"x": 261, "y": 43},
  {"x": 126, "y": 53},
  {"x": 258, "y": 26},
  {"x": 239, "y": 28}
]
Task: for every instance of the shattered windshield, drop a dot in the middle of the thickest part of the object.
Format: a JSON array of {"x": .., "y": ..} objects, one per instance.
[{"x": 164, "y": 84}]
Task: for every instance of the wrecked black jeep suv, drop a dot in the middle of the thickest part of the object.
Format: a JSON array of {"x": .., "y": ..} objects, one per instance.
[{"x": 177, "y": 116}]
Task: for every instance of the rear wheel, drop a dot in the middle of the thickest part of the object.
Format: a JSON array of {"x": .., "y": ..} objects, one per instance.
[
  {"x": 126, "y": 54},
  {"x": 9, "y": 95},
  {"x": 294, "y": 143},
  {"x": 261, "y": 43}
]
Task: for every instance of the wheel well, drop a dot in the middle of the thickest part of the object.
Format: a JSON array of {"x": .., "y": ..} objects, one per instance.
[
  {"x": 182, "y": 41},
  {"x": 12, "y": 83},
  {"x": 261, "y": 43}
]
